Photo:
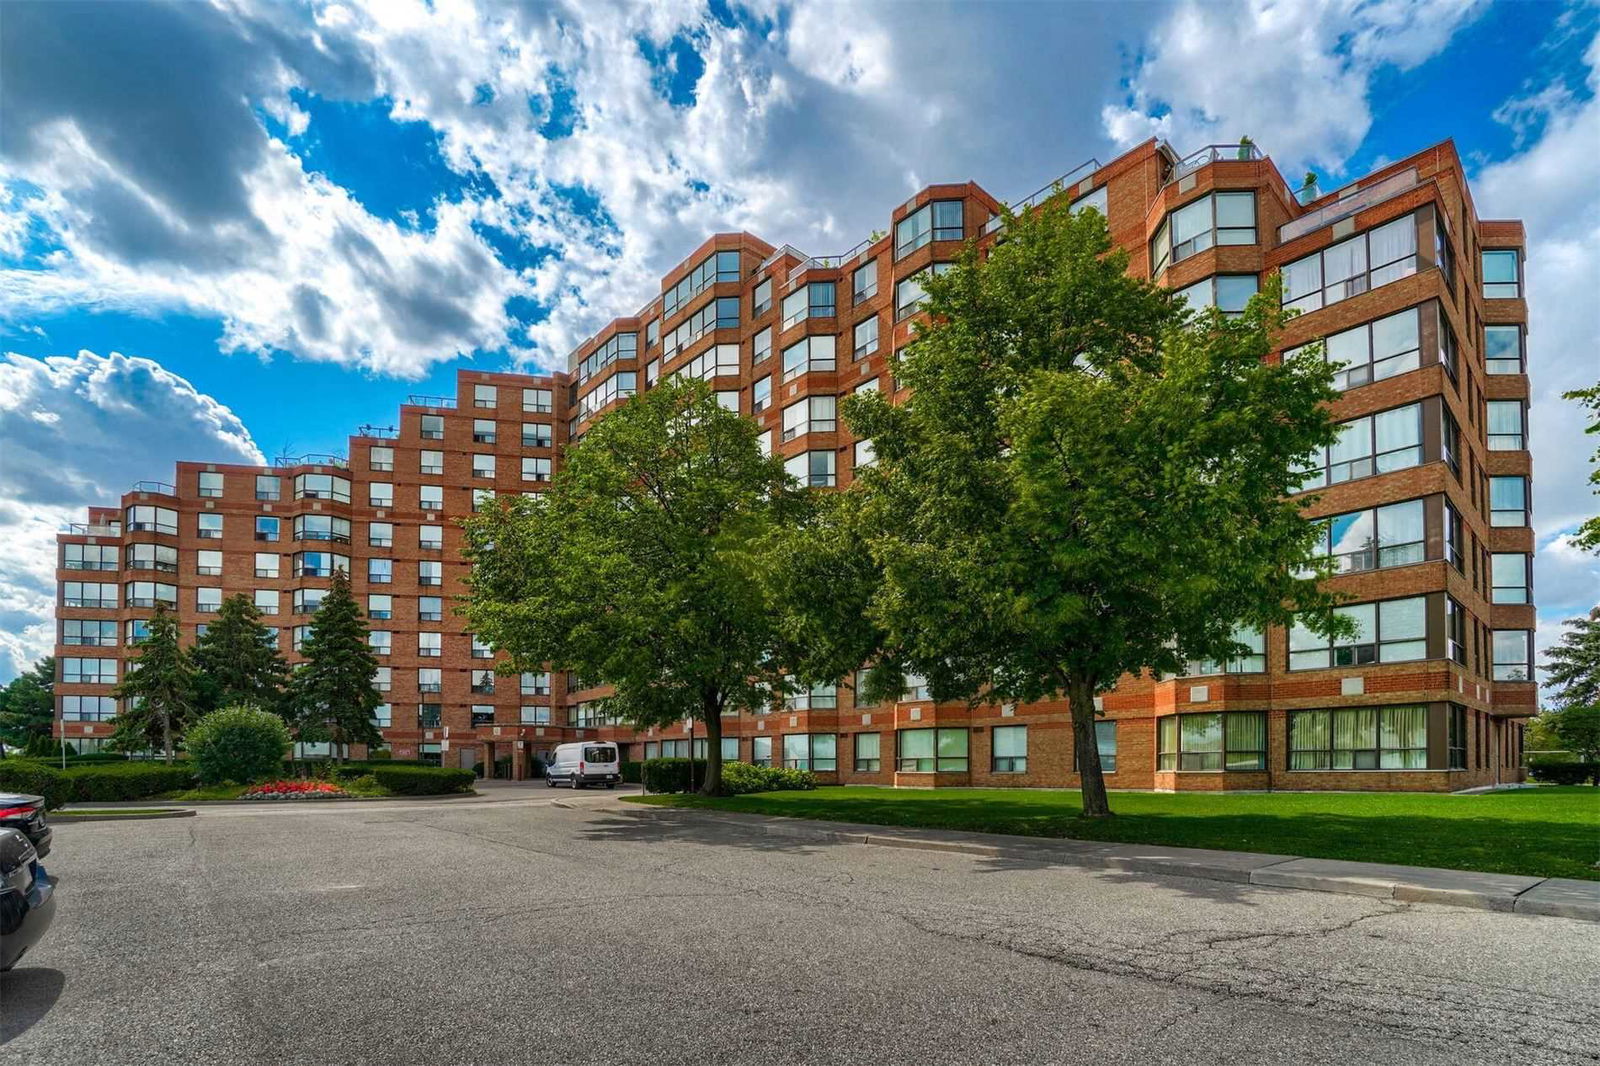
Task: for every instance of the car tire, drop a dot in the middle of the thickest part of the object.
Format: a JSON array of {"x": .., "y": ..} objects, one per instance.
[{"x": 549, "y": 782}]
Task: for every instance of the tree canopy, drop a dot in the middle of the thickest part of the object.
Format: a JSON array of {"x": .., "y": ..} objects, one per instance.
[
  {"x": 332, "y": 693},
  {"x": 27, "y": 704},
  {"x": 238, "y": 661},
  {"x": 1572, "y": 665}
]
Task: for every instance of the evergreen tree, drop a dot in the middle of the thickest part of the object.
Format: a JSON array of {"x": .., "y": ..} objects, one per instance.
[
  {"x": 27, "y": 705},
  {"x": 159, "y": 691},
  {"x": 238, "y": 662},
  {"x": 332, "y": 693},
  {"x": 1588, "y": 535},
  {"x": 1572, "y": 670}
]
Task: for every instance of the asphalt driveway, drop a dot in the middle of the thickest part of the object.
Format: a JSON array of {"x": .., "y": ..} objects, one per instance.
[{"x": 516, "y": 930}]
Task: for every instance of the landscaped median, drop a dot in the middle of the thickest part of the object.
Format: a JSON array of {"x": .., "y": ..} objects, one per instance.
[
  {"x": 121, "y": 781},
  {"x": 1542, "y": 832}
]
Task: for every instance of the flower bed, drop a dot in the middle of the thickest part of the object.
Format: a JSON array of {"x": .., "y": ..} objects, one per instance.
[{"x": 293, "y": 790}]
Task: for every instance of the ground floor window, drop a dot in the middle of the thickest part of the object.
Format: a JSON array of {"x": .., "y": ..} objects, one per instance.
[
  {"x": 1105, "y": 740},
  {"x": 1231, "y": 740},
  {"x": 652, "y": 749},
  {"x": 811, "y": 751},
  {"x": 1457, "y": 749},
  {"x": 929, "y": 750},
  {"x": 674, "y": 749},
  {"x": 429, "y": 754},
  {"x": 869, "y": 748},
  {"x": 90, "y": 745},
  {"x": 1010, "y": 754},
  {"x": 1361, "y": 738},
  {"x": 730, "y": 749},
  {"x": 760, "y": 751}
]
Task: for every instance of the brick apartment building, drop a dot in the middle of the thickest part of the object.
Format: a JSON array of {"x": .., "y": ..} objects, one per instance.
[{"x": 1429, "y": 491}]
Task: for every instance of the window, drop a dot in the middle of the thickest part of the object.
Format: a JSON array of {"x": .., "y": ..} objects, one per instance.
[
  {"x": 429, "y": 680},
  {"x": 535, "y": 468},
  {"x": 210, "y": 485},
  {"x": 1105, "y": 739},
  {"x": 135, "y": 630},
  {"x": 92, "y": 633},
  {"x": 811, "y": 751},
  {"x": 430, "y": 572},
  {"x": 429, "y": 645},
  {"x": 298, "y": 637},
  {"x": 1220, "y": 218},
  {"x": 1393, "y": 535},
  {"x": 728, "y": 400},
  {"x": 88, "y": 708},
  {"x": 940, "y": 220},
  {"x": 482, "y": 714},
  {"x": 816, "y": 299},
  {"x": 142, "y": 594},
  {"x": 621, "y": 346},
  {"x": 1377, "y": 350},
  {"x": 209, "y": 526},
  {"x": 1386, "y": 632},
  {"x": 535, "y": 716},
  {"x": 812, "y": 469},
  {"x": 721, "y": 313},
  {"x": 1252, "y": 661},
  {"x": 1457, "y": 741},
  {"x": 380, "y": 494},
  {"x": 1233, "y": 740},
  {"x": 1359, "y": 738},
  {"x": 483, "y": 395},
  {"x": 713, "y": 269},
  {"x": 480, "y": 650},
  {"x": 1506, "y": 425},
  {"x": 380, "y": 571},
  {"x": 908, "y": 293},
  {"x": 864, "y": 282},
  {"x": 535, "y": 684},
  {"x": 380, "y": 716},
  {"x": 868, "y": 753},
  {"x": 1455, "y": 630},
  {"x": 933, "y": 750},
  {"x": 380, "y": 534},
  {"x": 265, "y": 600},
  {"x": 761, "y": 347},
  {"x": 1508, "y": 501},
  {"x": 730, "y": 749},
  {"x": 483, "y": 431},
  {"x": 536, "y": 435},
  {"x": 720, "y": 360},
  {"x": 1513, "y": 660},
  {"x": 1380, "y": 255},
  {"x": 381, "y": 641},
  {"x": 75, "y": 671},
  {"x": 1502, "y": 349},
  {"x": 429, "y": 716},
  {"x": 863, "y": 454},
  {"x": 761, "y": 298},
  {"x": 142, "y": 518},
  {"x": 319, "y": 564},
  {"x": 761, "y": 394},
  {"x": 1373, "y": 444},
  {"x": 1010, "y": 755},
  {"x": 430, "y": 537},
  {"x": 483, "y": 681},
  {"x": 161, "y": 557},
  {"x": 536, "y": 401},
  {"x": 866, "y": 337},
  {"x": 807, "y": 355},
  {"x": 815, "y": 414},
  {"x": 1096, "y": 200},
  {"x": 761, "y": 751},
  {"x": 1454, "y": 535},
  {"x": 322, "y": 527},
  {"x": 1502, "y": 274},
  {"x": 102, "y": 594},
  {"x": 1229, "y": 293},
  {"x": 306, "y": 601},
  {"x": 432, "y": 427},
  {"x": 266, "y": 564},
  {"x": 652, "y": 372},
  {"x": 430, "y": 497},
  {"x": 322, "y": 487},
  {"x": 764, "y": 443},
  {"x": 430, "y": 462},
  {"x": 1512, "y": 581},
  {"x": 380, "y": 458},
  {"x": 916, "y": 688},
  {"x": 430, "y": 608},
  {"x": 93, "y": 556},
  {"x": 823, "y": 696},
  {"x": 481, "y": 497},
  {"x": 483, "y": 466},
  {"x": 208, "y": 563},
  {"x": 268, "y": 487}
]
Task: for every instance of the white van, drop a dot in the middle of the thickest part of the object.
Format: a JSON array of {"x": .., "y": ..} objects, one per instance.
[{"x": 589, "y": 763}]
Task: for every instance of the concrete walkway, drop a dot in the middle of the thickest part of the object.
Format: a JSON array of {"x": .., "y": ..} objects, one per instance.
[{"x": 1556, "y": 896}]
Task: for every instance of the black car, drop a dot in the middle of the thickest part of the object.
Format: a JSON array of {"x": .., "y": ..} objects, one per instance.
[
  {"x": 27, "y": 898},
  {"x": 25, "y": 814}
]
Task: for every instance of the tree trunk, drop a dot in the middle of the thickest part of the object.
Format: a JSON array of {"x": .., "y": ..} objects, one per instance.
[
  {"x": 1080, "y": 696},
  {"x": 166, "y": 737},
  {"x": 712, "y": 708}
]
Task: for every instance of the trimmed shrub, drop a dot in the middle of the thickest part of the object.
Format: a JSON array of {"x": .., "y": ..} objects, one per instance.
[
  {"x": 47, "y": 747},
  {"x": 671, "y": 775},
  {"x": 33, "y": 779},
  {"x": 423, "y": 780},
  {"x": 632, "y": 772},
  {"x": 240, "y": 744},
  {"x": 1564, "y": 771},
  {"x": 125, "y": 781},
  {"x": 380, "y": 755},
  {"x": 740, "y": 778}
]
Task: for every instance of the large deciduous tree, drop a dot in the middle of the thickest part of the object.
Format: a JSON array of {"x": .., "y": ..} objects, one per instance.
[
  {"x": 332, "y": 694},
  {"x": 1087, "y": 481},
  {"x": 641, "y": 567},
  {"x": 238, "y": 661},
  {"x": 27, "y": 704},
  {"x": 160, "y": 690}
]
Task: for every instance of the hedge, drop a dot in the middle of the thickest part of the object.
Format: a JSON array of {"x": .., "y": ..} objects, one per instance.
[
  {"x": 672, "y": 775},
  {"x": 33, "y": 779},
  {"x": 632, "y": 772},
  {"x": 94, "y": 784},
  {"x": 1564, "y": 771},
  {"x": 423, "y": 780}
]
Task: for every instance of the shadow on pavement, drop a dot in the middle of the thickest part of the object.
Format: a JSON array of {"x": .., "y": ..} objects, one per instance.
[
  {"x": 664, "y": 825},
  {"x": 26, "y": 995}
]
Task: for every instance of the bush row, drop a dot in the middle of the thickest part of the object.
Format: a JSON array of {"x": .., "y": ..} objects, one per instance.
[
  {"x": 682, "y": 775},
  {"x": 632, "y": 772},
  {"x": 94, "y": 784},
  {"x": 1564, "y": 772},
  {"x": 423, "y": 780}
]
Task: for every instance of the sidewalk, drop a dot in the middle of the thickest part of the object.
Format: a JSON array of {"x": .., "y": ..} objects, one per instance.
[{"x": 1555, "y": 896}]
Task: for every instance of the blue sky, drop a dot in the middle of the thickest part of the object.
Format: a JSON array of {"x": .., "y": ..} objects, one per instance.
[{"x": 291, "y": 216}]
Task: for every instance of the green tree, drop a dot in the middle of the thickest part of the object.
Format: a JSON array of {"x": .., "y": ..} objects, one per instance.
[
  {"x": 1087, "y": 481},
  {"x": 159, "y": 691},
  {"x": 332, "y": 692},
  {"x": 240, "y": 743},
  {"x": 1588, "y": 537},
  {"x": 238, "y": 661},
  {"x": 641, "y": 568},
  {"x": 1572, "y": 666},
  {"x": 27, "y": 705}
]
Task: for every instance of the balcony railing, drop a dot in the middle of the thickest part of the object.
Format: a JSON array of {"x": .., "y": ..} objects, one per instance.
[
  {"x": 312, "y": 459},
  {"x": 90, "y": 530},
  {"x": 1348, "y": 204},
  {"x": 447, "y": 403},
  {"x": 1239, "y": 151},
  {"x": 158, "y": 487},
  {"x": 1045, "y": 192}
]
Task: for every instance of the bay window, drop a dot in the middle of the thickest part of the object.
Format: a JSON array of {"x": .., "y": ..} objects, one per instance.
[
  {"x": 1392, "y": 535},
  {"x": 1380, "y": 255},
  {"x": 1373, "y": 444},
  {"x": 1386, "y": 631},
  {"x": 1217, "y": 219},
  {"x": 815, "y": 414},
  {"x": 1508, "y": 501},
  {"x": 808, "y": 355},
  {"x": 932, "y": 750},
  {"x": 1228, "y": 740},
  {"x": 1359, "y": 738},
  {"x": 1513, "y": 655},
  {"x": 812, "y": 469}
]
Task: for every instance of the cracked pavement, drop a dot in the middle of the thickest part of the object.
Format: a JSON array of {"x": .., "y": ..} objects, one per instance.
[{"x": 519, "y": 931}]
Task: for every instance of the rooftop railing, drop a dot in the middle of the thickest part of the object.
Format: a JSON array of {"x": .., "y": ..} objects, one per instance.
[
  {"x": 447, "y": 402},
  {"x": 377, "y": 432},
  {"x": 159, "y": 487},
  {"x": 312, "y": 459},
  {"x": 89, "y": 529},
  {"x": 1239, "y": 151},
  {"x": 1044, "y": 192},
  {"x": 1348, "y": 204}
]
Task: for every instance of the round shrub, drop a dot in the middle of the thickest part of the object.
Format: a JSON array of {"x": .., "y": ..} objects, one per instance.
[{"x": 239, "y": 744}]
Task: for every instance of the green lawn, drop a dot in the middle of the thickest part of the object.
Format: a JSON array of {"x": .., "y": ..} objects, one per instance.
[{"x": 1548, "y": 832}]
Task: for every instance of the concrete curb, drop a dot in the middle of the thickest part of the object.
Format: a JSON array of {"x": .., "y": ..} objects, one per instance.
[
  {"x": 1508, "y": 893},
  {"x": 67, "y": 817},
  {"x": 113, "y": 804}
]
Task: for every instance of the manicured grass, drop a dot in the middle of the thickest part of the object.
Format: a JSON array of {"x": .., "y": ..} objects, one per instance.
[{"x": 1547, "y": 832}]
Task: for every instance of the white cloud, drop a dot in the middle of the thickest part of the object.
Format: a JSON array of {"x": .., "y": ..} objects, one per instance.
[
  {"x": 1295, "y": 75},
  {"x": 78, "y": 431}
]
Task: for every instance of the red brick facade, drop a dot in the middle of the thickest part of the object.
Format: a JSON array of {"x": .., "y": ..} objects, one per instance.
[{"x": 1432, "y": 391}]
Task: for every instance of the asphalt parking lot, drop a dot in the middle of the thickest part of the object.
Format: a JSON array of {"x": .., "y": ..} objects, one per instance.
[{"x": 517, "y": 931}]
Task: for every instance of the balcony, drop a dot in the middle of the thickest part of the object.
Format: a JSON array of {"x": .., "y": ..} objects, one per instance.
[
  {"x": 313, "y": 459},
  {"x": 1348, "y": 204},
  {"x": 1239, "y": 152},
  {"x": 1044, "y": 192},
  {"x": 159, "y": 488}
]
